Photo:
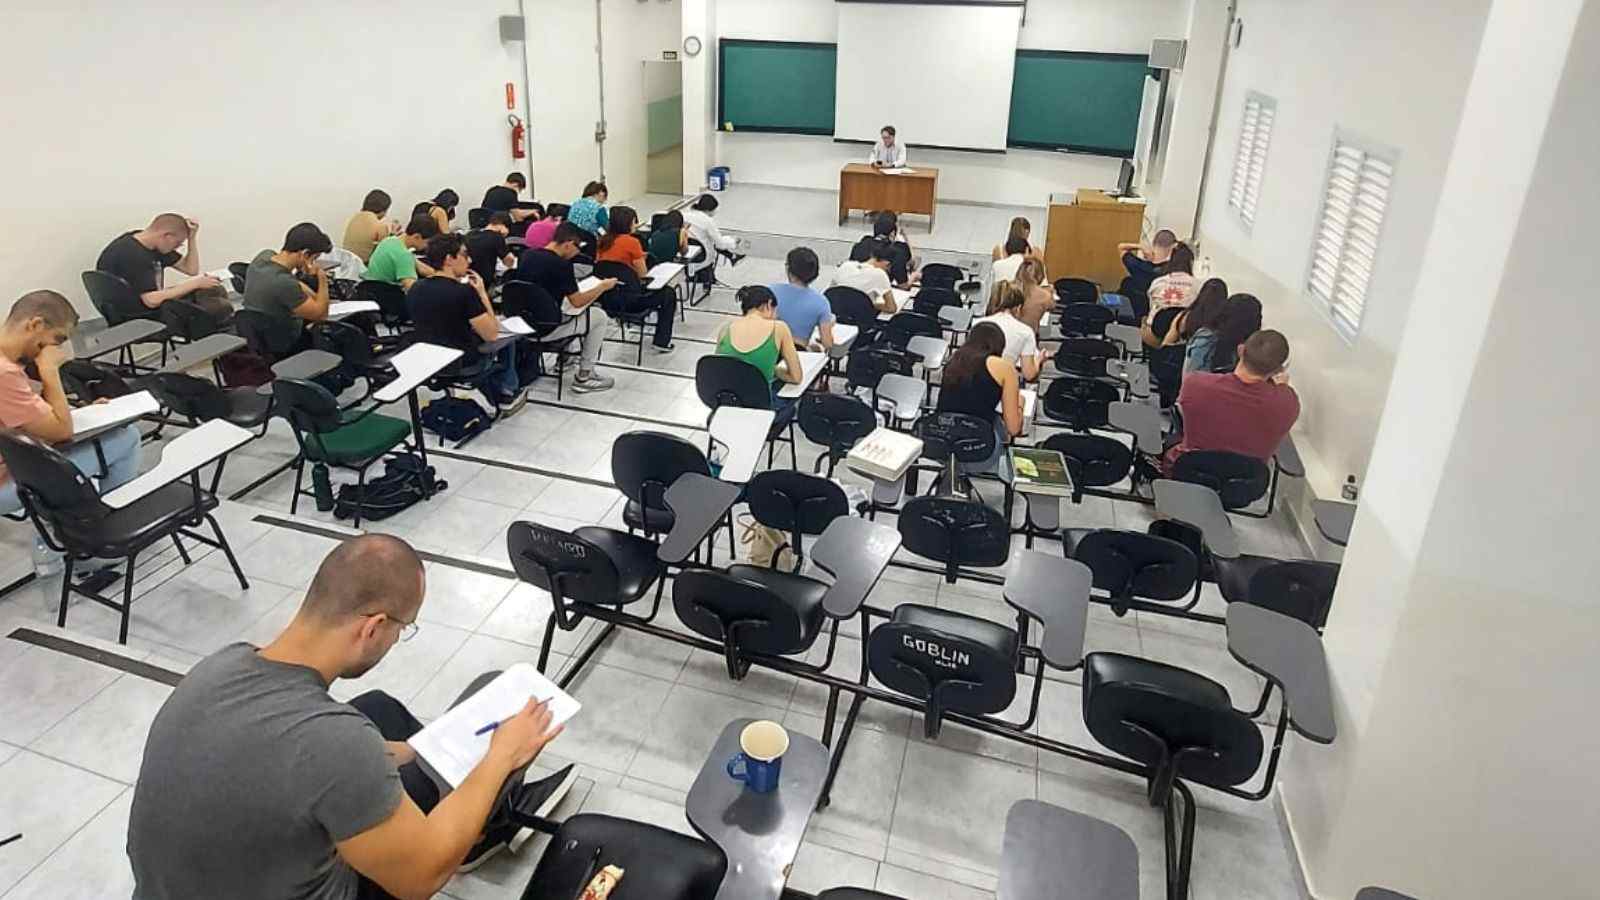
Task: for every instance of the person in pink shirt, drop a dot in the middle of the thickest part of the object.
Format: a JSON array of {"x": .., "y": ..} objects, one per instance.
[
  {"x": 38, "y": 324},
  {"x": 539, "y": 233}
]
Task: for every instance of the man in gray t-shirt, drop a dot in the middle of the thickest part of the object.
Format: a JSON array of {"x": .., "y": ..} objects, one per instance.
[
  {"x": 271, "y": 288},
  {"x": 257, "y": 785}
]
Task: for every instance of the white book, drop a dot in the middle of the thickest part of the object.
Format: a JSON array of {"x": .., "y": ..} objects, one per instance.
[
  {"x": 100, "y": 416},
  {"x": 900, "y": 171},
  {"x": 884, "y": 454},
  {"x": 451, "y": 744},
  {"x": 663, "y": 273},
  {"x": 350, "y": 307}
]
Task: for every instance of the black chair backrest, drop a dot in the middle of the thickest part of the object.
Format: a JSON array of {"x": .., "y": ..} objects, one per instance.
[
  {"x": 88, "y": 380},
  {"x": 1085, "y": 357},
  {"x": 1128, "y": 565},
  {"x": 478, "y": 217},
  {"x": 868, "y": 364},
  {"x": 533, "y": 303},
  {"x": 1162, "y": 320},
  {"x": 955, "y": 532},
  {"x": 795, "y": 503},
  {"x": 1085, "y": 319},
  {"x": 562, "y": 563},
  {"x": 114, "y": 298},
  {"x": 628, "y": 286},
  {"x": 852, "y": 307},
  {"x": 58, "y": 491},
  {"x": 645, "y": 463},
  {"x": 1177, "y": 708},
  {"x": 1166, "y": 372},
  {"x": 728, "y": 381},
  {"x": 661, "y": 864},
  {"x": 929, "y": 300},
  {"x": 310, "y": 408},
  {"x": 967, "y": 675},
  {"x": 970, "y": 438},
  {"x": 1077, "y": 290},
  {"x": 391, "y": 300},
  {"x": 1239, "y": 480},
  {"x": 262, "y": 334},
  {"x": 345, "y": 341},
  {"x": 1302, "y": 588},
  {"x": 1080, "y": 403},
  {"x": 1093, "y": 460},
  {"x": 724, "y": 607},
  {"x": 904, "y": 326},
  {"x": 834, "y": 420},
  {"x": 188, "y": 396},
  {"x": 941, "y": 275},
  {"x": 238, "y": 270}
]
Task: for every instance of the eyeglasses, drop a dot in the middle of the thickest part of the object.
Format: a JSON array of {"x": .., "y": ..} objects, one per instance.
[{"x": 408, "y": 630}]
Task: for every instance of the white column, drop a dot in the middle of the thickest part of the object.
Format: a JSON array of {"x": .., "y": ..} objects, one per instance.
[
  {"x": 699, "y": 94},
  {"x": 1193, "y": 111},
  {"x": 1465, "y": 636}
]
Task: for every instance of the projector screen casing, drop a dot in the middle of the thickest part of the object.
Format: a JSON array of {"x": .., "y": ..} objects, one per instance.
[{"x": 939, "y": 72}]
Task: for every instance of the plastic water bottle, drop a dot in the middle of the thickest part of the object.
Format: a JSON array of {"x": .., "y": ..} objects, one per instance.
[
  {"x": 46, "y": 562},
  {"x": 322, "y": 487}
]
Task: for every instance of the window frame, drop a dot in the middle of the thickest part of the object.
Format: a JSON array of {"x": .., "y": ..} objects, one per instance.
[
  {"x": 1326, "y": 307},
  {"x": 1244, "y": 157}
]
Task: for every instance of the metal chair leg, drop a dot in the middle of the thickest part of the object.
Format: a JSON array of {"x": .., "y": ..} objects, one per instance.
[{"x": 127, "y": 601}]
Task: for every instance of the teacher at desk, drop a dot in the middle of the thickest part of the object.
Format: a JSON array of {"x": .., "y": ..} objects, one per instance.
[{"x": 887, "y": 153}]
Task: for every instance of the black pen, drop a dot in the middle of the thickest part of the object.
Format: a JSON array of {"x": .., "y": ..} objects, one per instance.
[{"x": 14, "y": 838}]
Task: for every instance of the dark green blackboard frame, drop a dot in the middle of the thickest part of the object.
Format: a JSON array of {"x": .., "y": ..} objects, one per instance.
[
  {"x": 1069, "y": 145},
  {"x": 722, "y": 81}
]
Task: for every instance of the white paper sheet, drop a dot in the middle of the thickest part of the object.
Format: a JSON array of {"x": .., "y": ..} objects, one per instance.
[
  {"x": 588, "y": 284},
  {"x": 350, "y": 307},
  {"x": 901, "y": 171},
  {"x": 450, "y": 744},
  {"x": 113, "y": 412},
  {"x": 514, "y": 325},
  {"x": 663, "y": 273}
]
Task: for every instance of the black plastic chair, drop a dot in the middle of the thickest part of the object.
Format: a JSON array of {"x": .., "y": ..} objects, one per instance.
[
  {"x": 585, "y": 570},
  {"x": 88, "y": 381},
  {"x": 836, "y": 422},
  {"x": 391, "y": 300},
  {"x": 1093, "y": 460},
  {"x": 542, "y": 312},
  {"x": 262, "y": 336},
  {"x": 955, "y": 533},
  {"x": 797, "y": 504},
  {"x": 852, "y": 307},
  {"x": 951, "y": 438},
  {"x": 478, "y": 217},
  {"x": 1134, "y": 570},
  {"x": 756, "y": 611},
  {"x": 1079, "y": 403},
  {"x": 644, "y": 464},
  {"x": 726, "y": 381},
  {"x": 114, "y": 298},
  {"x": 1085, "y": 357},
  {"x": 1299, "y": 588},
  {"x": 904, "y": 325},
  {"x": 929, "y": 300},
  {"x": 238, "y": 271},
  {"x": 1085, "y": 319},
  {"x": 661, "y": 864},
  {"x": 1076, "y": 290},
  {"x": 345, "y": 439},
  {"x": 186, "y": 322},
  {"x": 1239, "y": 480},
  {"x": 359, "y": 359},
  {"x": 619, "y": 303},
  {"x": 941, "y": 275},
  {"x": 867, "y": 364},
  {"x": 72, "y": 518},
  {"x": 198, "y": 400}
]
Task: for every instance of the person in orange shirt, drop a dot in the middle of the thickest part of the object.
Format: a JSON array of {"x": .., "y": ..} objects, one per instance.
[{"x": 620, "y": 246}]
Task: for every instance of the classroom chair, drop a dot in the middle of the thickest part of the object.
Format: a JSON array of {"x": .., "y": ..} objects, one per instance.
[
  {"x": 1076, "y": 290},
  {"x": 621, "y": 304},
  {"x": 1239, "y": 480},
  {"x": 726, "y": 381},
  {"x": 1134, "y": 570},
  {"x": 836, "y": 422},
  {"x": 1084, "y": 319},
  {"x": 1084, "y": 357},
  {"x": 905, "y": 325},
  {"x": 852, "y": 307},
  {"x": 1299, "y": 588},
  {"x": 1079, "y": 403},
  {"x": 796, "y": 504},
  {"x": 543, "y": 314},
  {"x": 349, "y": 439},
  {"x": 644, "y": 464},
  {"x": 114, "y": 298},
  {"x": 660, "y": 864},
  {"x": 199, "y": 400}
]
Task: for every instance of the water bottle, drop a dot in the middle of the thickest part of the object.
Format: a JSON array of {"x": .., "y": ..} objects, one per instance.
[
  {"x": 46, "y": 562},
  {"x": 1349, "y": 490},
  {"x": 322, "y": 487}
]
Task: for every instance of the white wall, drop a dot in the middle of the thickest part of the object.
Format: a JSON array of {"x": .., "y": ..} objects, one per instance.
[
  {"x": 564, "y": 71},
  {"x": 1193, "y": 99},
  {"x": 262, "y": 121},
  {"x": 1394, "y": 72},
  {"x": 1017, "y": 177},
  {"x": 631, "y": 33},
  {"x": 700, "y": 92}
]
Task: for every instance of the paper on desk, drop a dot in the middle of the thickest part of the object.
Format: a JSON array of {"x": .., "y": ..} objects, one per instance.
[
  {"x": 113, "y": 412},
  {"x": 350, "y": 308},
  {"x": 663, "y": 273},
  {"x": 514, "y": 325},
  {"x": 449, "y": 743},
  {"x": 222, "y": 275},
  {"x": 588, "y": 284},
  {"x": 901, "y": 298},
  {"x": 692, "y": 252},
  {"x": 900, "y": 171}
]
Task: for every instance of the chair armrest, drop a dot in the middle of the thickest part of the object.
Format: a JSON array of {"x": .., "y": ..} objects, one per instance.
[
  {"x": 855, "y": 552},
  {"x": 182, "y": 456},
  {"x": 698, "y": 502},
  {"x": 1288, "y": 653},
  {"x": 1054, "y": 591}
]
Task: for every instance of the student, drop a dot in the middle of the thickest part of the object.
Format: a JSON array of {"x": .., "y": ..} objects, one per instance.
[
  {"x": 800, "y": 306},
  {"x": 142, "y": 257},
  {"x": 367, "y": 227},
  {"x": 1240, "y": 319},
  {"x": 1005, "y": 269},
  {"x": 703, "y": 229},
  {"x": 451, "y": 313},
  {"x": 1247, "y": 411},
  {"x": 550, "y": 267},
  {"x": 394, "y": 260},
  {"x": 443, "y": 208},
  {"x": 669, "y": 240},
  {"x": 589, "y": 211},
  {"x": 977, "y": 380},
  {"x": 621, "y": 246},
  {"x": 488, "y": 249},
  {"x": 35, "y": 329},
  {"x": 1022, "y": 343},
  {"x": 887, "y": 153},
  {"x": 505, "y": 198},
  {"x": 886, "y": 227},
  {"x": 867, "y": 270},
  {"x": 272, "y": 288},
  {"x": 1040, "y": 297},
  {"x": 256, "y": 784},
  {"x": 1020, "y": 228},
  {"x": 1196, "y": 327},
  {"x": 1176, "y": 285},
  {"x": 1144, "y": 263},
  {"x": 762, "y": 339},
  {"x": 539, "y": 232}
]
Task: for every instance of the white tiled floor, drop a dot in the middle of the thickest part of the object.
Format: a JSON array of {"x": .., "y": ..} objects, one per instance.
[{"x": 916, "y": 818}]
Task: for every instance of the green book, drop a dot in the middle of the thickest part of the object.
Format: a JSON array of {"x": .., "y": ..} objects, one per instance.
[{"x": 1040, "y": 471}]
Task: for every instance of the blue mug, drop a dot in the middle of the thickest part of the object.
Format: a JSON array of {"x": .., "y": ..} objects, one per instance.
[{"x": 760, "y": 761}]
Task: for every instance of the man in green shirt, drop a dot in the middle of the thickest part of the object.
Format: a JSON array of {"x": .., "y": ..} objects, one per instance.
[{"x": 392, "y": 261}]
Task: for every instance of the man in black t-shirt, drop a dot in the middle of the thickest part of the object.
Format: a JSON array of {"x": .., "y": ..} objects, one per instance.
[
  {"x": 506, "y": 198},
  {"x": 141, "y": 258},
  {"x": 1144, "y": 265},
  {"x": 487, "y": 246},
  {"x": 550, "y": 267},
  {"x": 451, "y": 308}
]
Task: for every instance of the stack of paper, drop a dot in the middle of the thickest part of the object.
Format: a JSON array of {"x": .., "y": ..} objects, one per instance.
[
  {"x": 884, "y": 455},
  {"x": 900, "y": 171},
  {"x": 451, "y": 745}
]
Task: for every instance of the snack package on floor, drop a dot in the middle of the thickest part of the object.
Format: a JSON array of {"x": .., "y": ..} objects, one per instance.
[{"x": 604, "y": 882}]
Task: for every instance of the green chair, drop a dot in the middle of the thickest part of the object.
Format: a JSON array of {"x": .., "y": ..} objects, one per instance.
[{"x": 347, "y": 439}]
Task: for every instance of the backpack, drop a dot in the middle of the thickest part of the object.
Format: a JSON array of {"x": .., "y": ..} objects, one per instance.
[
  {"x": 455, "y": 418},
  {"x": 405, "y": 480}
]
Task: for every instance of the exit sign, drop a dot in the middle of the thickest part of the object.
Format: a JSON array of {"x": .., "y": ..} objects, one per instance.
[{"x": 669, "y": 55}]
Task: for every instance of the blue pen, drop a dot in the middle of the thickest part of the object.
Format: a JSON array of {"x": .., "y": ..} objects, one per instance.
[{"x": 486, "y": 729}]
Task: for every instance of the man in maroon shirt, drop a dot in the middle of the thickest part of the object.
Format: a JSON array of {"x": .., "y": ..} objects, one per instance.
[{"x": 1246, "y": 411}]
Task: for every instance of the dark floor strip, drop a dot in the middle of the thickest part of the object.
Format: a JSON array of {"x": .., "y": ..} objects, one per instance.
[
  {"x": 523, "y": 467},
  {"x": 96, "y": 655},
  {"x": 647, "y": 370},
  {"x": 632, "y": 417},
  {"x": 427, "y": 555}
]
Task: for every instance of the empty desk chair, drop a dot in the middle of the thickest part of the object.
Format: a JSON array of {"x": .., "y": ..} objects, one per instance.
[
  {"x": 953, "y": 440},
  {"x": 1079, "y": 403},
  {"x": 836, "y": 422},
  {"x": 1085, "y": 357},
  {"x": 1239, "y": 480},
  {"x": 796, "y": 504},
  {"x": 1093, "y": 460},
  {"x": 1084, "y": 320},
  {"x": 198, "y": 400},
  {"x": 1135, "y": 571},
  {"x": 643, "y": 465},
  {"x": 905, "y": 325},
  {"x": 930, "y": 299},
  {"x": 585, "y": 569},
  {"x": 88, "y": 381},
  {"x": 660, "y": 864},
  {"x": 755, "y": 611},
  {"x": 955, "y": 533},
  {"x": 726, "y": 381},
  {"x": 941, "y": 275},
  {"x": 868, "y": 364},
  {"x": 1076, "y": 290},
  {"x": 1299, "y": 588},
  {"x": 351, "y": 439}
]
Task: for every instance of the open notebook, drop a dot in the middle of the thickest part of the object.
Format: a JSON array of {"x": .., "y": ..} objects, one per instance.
[{"x": 451, "y": 745}]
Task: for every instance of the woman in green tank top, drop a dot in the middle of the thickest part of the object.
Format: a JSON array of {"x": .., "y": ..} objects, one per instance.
[{"x": 761, "y": 339}]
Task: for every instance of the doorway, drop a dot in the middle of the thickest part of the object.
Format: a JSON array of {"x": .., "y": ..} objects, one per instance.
[{"x": 663, "y": 97}]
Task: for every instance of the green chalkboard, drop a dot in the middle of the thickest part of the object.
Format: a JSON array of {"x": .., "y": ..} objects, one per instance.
[
  {"x": 1088, "y": 102},
  {"x": 776, "y": 86}
]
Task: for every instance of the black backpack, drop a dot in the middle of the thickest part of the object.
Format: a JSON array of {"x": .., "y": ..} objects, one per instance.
[
  {"x": 455, "y": 418},
  {"x": 405, "y": 480}
]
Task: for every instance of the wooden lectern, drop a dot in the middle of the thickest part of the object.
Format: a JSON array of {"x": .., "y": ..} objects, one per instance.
[{"x": 1083, "y": 233}]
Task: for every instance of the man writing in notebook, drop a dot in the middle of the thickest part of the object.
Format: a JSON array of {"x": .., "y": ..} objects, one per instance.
[{"x": 256, "y": 784}]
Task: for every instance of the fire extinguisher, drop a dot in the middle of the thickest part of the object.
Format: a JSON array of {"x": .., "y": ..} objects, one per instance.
[{"x": 519, "y": 137}]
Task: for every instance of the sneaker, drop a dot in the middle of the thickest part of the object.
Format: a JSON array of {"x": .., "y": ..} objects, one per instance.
[
  {"x": 594, "y": 381},
  {"x": 664, "y": 350},
  {"x": 540, "y": 798},
  {"x": 514, "y": 405}
]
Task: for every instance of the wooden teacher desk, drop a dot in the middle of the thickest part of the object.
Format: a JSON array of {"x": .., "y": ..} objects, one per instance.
[
  {"x": 1083, "y": 233},
  {"x": 865, "y": 188}
]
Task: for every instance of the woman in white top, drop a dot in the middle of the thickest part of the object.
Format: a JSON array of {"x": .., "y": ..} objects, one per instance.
[
  {"x": 1005, "y": 269},
  {"x": 697, "y": 219},
  {"x": 1177, "y": 284},
  {"x": 1022, "y": 345}
]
